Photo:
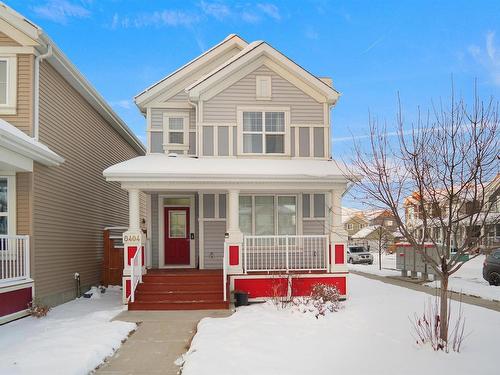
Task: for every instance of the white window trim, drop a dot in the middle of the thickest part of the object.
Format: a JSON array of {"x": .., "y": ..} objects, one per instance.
[
  {"x": 9, "y": 108},
  {"x": 175, "y": 146},
  {"x": 258, "y": 87},
  {"x": 11, "y": 203},
  {"x": 285, "y": 110}
]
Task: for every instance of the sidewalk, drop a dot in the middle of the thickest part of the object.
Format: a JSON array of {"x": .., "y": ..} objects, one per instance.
[
  {"x": 161, "y": 337},
  {"x": 415, "y": 285}
]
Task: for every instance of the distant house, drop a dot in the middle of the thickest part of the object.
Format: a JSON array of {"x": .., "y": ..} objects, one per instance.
[
  {"x": 354, "y": 220},
  {"x": 57, "y": 134},
  {"x": 375, "y": 237},
  {"x": 489, "y": 234}
]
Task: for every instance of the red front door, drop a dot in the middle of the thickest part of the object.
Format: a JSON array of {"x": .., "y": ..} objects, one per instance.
[{"x": 177, "y": 236}]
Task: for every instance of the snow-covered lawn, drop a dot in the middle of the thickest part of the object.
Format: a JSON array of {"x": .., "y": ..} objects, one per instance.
[
  {"x": 371, "y": 335},
  {"x": 467, "y": 280},
  {"x": 74, "y": 338}
]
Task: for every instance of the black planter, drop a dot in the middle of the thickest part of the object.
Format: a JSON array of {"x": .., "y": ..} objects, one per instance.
[{"x": 241, "y": 299}]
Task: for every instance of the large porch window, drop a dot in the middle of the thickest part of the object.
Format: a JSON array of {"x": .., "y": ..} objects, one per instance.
[
  {"x": 7, "y": 205},
  {"x": 268, "y": 214}
]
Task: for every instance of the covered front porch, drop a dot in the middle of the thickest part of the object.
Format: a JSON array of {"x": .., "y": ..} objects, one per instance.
[{"x": 257, "y": 229}]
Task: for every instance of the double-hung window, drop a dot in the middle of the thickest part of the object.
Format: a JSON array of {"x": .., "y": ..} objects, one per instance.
[
  {"x": 263, "y": 132},
  {"x": 8, "y": 84},
  {"x": 175, "y": 131}
]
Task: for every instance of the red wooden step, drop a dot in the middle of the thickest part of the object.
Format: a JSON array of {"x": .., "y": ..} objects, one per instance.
[
  {"x": 149, "y": 286},
  {"x": 181, "y": 278},
  {"x": 178, "y": 305},
  {"x": 166, "y": 296}
]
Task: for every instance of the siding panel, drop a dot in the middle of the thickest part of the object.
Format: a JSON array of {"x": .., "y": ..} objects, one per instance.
[
  {"x": 313, "y": 227},
  {"x": 213, "y": 235},
  {"x": 222, "y": 107},
  {"x": 72, "y": 203},
  {"x": 23, "y": 119},
  {"x": 5, "y": 40}
]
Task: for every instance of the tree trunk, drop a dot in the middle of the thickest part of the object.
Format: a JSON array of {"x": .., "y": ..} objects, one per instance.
[
  {"x": 443, "y": 313},
  {"x": 379, "y": 258}
]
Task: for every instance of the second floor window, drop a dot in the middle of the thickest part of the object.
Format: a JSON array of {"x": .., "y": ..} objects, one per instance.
[
  {"x": 264, "y": 132},
  {"x": 3, "y": 82},
  {"x": 175, "y": 131}
]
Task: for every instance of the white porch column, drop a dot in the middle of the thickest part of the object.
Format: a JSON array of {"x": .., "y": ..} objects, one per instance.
[
  {"x": 133, "y": 211},
  {"x": 133, "y": 241},
  {"x": 234, "y": 238},
  {"x": 338, "y": 235}
]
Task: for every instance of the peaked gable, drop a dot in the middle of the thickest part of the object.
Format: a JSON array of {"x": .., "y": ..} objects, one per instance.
[
  {"x": 248, "y": 59},
  {"x": 166, "y": 87}
]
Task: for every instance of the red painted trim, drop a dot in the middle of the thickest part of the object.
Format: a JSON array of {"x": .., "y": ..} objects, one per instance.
[
  {"x": 262, "y": 287},
  {"x": 127, "y": 288},
  {"x": 270, "y": 287},
  {"x": 15, "y": 300},
  {"x": 339, "y": 253},
  {"x": 303, "y": 286},
  {"x": 130, "y": 253},
  {"x": 330, "y": 252},
  {"x": 406, "y": 244},
  {"x": 234, "y": 255},
  {"x": 143, "y": 260}
]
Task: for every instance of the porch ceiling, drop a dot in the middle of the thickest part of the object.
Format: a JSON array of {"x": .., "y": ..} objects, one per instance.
[{"x": 162, "y": 171}]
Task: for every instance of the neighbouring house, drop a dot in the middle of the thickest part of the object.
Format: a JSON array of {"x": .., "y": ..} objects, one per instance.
[
  {"x": 487, "y": 235},
  {"x": 242, "y": 191},
  {"x": 354, "y": 220},
  {"x": 57, "y": 134},
  {"x": 374, "y": 237}
]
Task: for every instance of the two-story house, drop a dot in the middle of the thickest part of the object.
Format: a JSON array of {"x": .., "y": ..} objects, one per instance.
[
  {"x": 486, "y": 214},
  {"x": 57, "y": 134},
  {"x": 239, "y": 179}
]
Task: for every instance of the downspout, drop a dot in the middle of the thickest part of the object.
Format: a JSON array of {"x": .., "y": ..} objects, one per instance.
[
  {"x": 198, "y": 131},
  {"x": 36, "y": 109}
]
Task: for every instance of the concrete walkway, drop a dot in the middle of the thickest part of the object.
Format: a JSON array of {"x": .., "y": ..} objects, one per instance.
[
  {"x": 417, "y": 285},
  {"x": 161, "y": 337}
]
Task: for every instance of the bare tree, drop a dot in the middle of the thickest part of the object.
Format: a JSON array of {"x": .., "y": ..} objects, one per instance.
[
  {"x": 448, "y": 159},
  {"x": 383, "y": 239}
]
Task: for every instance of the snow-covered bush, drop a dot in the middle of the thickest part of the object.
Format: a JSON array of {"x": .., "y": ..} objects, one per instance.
[
  {"x": 427, "y": 326},
  {"x": 38, "y": 311},
  {"x": 323, "y": 299}
]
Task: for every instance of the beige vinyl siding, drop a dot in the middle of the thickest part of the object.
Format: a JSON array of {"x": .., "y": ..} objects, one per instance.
[
  {"x": 23, "y": 119},
  {"x": 5, "y": 40},
  {"x": 313, "y": 227},
  {"x": 213, "y": 243},
  {"x": 222, "y": 107},
  {"x": 24, "y": 190},
  {"x": 73, "y": 203}
]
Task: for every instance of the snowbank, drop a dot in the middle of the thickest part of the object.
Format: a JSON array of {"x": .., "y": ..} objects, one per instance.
[
  {"x": 74, "y": 338},
  {"x": 371, "y": 335}
]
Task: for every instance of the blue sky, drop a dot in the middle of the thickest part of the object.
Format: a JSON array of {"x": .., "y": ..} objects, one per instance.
[{"x": 371, "y": 49}]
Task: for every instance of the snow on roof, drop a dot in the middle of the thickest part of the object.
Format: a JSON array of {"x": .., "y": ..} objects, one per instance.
[
  {"x": 348, "y": 213},
  {"x": 362, "y": 233},
  {"x": 16, "y": 140},
  {"x": 162, "y": 166}
]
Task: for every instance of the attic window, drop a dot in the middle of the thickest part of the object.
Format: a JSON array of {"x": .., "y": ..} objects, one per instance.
[{"x": 263, "y": 87}]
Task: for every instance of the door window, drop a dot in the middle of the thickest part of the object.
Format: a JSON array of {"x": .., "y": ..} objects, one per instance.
[{"x": 177, "y": 224}]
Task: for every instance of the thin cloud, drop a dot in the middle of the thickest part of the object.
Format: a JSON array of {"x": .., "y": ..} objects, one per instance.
[
  {"x": 374, "y": 44},
  {"x": 271, "y": 10},
  {"x": 311, "y": 34},
  {"x": 172, "y": 18},
  {"x": 217, "y": 10},
  {"x": 61, "y": 11},
  {"x": 487, "y": 56},
  {"x": 123, "y": 104}
]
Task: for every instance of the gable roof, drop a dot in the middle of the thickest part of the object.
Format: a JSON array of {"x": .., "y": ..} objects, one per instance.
[
  {"x": 252, "y": 52},
  {"x": 228, "y": 43},
  {"x": 20, "y": 28}
]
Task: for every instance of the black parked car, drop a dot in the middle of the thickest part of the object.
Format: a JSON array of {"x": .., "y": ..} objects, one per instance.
[{"x": 491, "y": 268}]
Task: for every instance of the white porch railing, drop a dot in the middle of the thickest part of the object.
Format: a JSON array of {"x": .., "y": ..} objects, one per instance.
[
  {"x": 14, "y": 258},
  {"x": 135, "y": 272},
  {"x": 286, "y": 253}
]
